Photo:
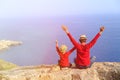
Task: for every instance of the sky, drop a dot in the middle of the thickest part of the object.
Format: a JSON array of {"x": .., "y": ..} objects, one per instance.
[
  {"x": 38, "y": 8},
  {"x": 37, "y": 39}
]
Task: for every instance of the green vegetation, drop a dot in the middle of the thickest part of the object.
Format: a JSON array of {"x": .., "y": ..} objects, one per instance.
[{"x": 6, "y": 65}]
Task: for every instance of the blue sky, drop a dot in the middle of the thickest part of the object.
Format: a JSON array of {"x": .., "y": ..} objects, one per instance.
[
  {"x": 31, "y": 8},
  {"x": 38, "y": 40}
]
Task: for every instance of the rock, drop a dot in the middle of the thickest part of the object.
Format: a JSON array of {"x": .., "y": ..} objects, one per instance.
[
  {"x": 99, "y": 71},
  {"x": 5, "y": 44}
]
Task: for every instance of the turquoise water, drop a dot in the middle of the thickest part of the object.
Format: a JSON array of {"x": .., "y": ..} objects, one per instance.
[{"x": 39, "y": 34}]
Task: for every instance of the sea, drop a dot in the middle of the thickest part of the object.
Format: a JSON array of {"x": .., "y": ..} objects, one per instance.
[{"x": 38, "y": 35}]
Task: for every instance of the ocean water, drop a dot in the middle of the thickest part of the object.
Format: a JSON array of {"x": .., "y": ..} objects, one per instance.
[{"x": 39, "y": 34}]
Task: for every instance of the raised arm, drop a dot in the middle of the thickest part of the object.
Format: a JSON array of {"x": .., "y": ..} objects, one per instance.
[
  {"x": 96, "y": 37},
  {"x": 71, "y": 50},
  {"x": 69, "y": 35},
  {"x": 57, "y": 48}
]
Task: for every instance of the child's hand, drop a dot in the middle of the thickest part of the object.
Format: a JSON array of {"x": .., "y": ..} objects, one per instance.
[{"x": 56, "y": 41}]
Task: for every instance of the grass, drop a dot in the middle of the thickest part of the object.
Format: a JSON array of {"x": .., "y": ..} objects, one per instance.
[{"x": 6, "y": 65}]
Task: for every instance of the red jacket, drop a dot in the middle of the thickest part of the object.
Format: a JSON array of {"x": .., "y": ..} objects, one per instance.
[
  {"x": 64, "y": 58},
  {"x": 83, "y": 51}
]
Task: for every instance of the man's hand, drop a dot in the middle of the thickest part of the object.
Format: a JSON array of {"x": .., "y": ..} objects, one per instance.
[
  {"x": 102, "y": 28},
  {"x": 65, "y": 28}
]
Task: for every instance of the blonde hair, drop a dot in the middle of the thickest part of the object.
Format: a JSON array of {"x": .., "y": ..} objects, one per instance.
[{"x": 63, "y": 48}]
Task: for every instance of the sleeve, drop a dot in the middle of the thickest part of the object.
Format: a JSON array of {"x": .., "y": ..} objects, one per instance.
[
  {"x": 71, "y": 50},
  {"x": 74, "y": 42},
  {"x": 93, "y": 41},
  {"x": 57, "y": 49}
]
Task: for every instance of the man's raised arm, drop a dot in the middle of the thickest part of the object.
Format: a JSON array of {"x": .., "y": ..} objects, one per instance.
[{"x": 74, "y": 42}]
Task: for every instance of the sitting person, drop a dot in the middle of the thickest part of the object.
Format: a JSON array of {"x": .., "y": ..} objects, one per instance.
[
  {"x": 64, "y": 55},
  {"x": 83, "y": 59}
]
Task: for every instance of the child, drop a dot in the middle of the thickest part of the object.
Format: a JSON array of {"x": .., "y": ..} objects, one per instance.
[{"x": 64, "y": 55}]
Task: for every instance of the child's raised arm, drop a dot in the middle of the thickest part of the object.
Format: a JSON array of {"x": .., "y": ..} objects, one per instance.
[
  {"x": 56, "y": 43},
  {"x": 57, "y": 48}
]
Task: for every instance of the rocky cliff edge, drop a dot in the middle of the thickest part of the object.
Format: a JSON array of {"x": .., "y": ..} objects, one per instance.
[{"x": 99, "y": 71}]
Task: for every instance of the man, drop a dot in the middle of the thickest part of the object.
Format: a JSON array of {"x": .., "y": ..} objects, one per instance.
[{"x": 83, "y": 60}]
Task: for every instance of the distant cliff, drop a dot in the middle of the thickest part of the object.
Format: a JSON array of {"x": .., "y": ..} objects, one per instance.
[
  {"x": 5, "y": 44},
  {"x": 99, "y": 71}
]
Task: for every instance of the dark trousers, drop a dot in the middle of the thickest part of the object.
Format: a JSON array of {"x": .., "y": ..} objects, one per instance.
[{"x": 92, "y": 60}]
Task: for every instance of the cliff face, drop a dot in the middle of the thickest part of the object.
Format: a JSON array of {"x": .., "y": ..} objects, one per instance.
[{"x": 99, "y": 71}]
